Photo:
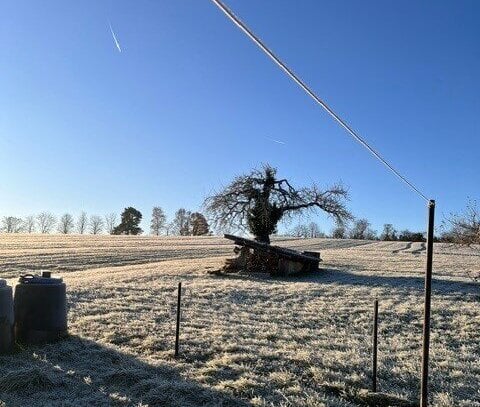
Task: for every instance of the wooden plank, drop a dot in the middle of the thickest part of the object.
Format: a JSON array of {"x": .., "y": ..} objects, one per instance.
[{"x": 279, "y": 251}]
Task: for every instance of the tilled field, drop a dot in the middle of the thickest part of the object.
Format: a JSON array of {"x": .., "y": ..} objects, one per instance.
[{"x": 245, "y": 340}]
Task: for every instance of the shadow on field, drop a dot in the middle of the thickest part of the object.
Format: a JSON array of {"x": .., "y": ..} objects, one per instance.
[
  {"x": 80, "y": 372},
  {"x": 442, "y": 286},
  {"x": 336, "y": 276}
]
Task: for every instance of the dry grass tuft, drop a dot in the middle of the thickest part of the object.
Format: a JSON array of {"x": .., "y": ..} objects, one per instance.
[{"x": 33, "y": 379}]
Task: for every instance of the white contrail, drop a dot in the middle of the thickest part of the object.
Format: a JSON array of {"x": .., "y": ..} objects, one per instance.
[
  {"x": 276, "y": 141},
  {"x": 115, "y": 38}
]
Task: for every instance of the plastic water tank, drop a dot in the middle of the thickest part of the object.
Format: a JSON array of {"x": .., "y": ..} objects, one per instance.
[
  {"x": 6, "y": 318},
  {"x": 40, "y": 306}
]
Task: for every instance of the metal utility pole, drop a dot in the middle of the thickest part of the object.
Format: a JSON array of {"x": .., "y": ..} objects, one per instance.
[{"x": 427, "y": 306}]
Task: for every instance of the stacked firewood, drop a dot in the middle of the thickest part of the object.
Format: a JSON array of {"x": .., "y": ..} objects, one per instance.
[{"x": 250, "y": 260}]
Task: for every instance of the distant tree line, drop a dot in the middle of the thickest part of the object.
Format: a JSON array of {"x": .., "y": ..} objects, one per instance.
[
  {"x": 310, "y": 230},
  {"x": 47, "y": 222},
  {"x": 462, "y": 229},
  {"x": 358, "y": 229},
  {"x": 185, "y": 223}
]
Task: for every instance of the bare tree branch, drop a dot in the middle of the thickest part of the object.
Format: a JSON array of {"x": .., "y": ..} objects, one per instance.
[
  {"x": 66, "y": 224},
  {"x": 464, "y": 230},
  {"x": 96, "y": 224},
  {"x": 110, "y": 222},
  {"x": 46, "y": 221}
]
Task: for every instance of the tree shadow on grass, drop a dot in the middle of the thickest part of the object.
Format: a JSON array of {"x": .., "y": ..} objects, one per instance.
[
  {"x": 80, "y": 372},
  {"x": 337, "y": 276},
  {"x": 411, "y": 283}
]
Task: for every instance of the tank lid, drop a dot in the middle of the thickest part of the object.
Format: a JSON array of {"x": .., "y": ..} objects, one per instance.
[
  {"x": 36, "y": 279},
  {"x": 3, "y": 283}
]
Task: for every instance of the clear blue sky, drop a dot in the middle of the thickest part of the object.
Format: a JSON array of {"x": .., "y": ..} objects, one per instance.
[{"x": 190, "y": 102}]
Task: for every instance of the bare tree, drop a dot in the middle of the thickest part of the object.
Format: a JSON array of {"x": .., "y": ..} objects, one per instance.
[
  {"x": 169, "y": 228},
  {"x": 82, "y": 223},
  {"x": 181, "y": 223},
  {"x": 314, "y": 230},
  {"x": 29, "y": 224},
  {"x": 339, "y": 232},
  {"x": 361, "y": 230},
  {"x": 389, "y": 233},
  {"x": 258, "y": 201},
  {"x": 110, "y": 222},
  {"x": 199, "y": 224},
  {"x": 158, "y": 221},
  {"x": 46, "y": 221},
  {"x": 66, "y": 224},
  {"x": 11, "y": 224},
  {"x": 300, "y": 230},
  {"x": 95, "y": 224},
  {"x": 464, "y": 228}
]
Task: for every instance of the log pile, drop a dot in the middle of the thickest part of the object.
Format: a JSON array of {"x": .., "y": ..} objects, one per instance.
[{"x": 255, "y": 256}]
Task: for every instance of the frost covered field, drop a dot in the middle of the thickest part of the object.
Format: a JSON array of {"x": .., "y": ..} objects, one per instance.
[{"x": 245, "y": 340}]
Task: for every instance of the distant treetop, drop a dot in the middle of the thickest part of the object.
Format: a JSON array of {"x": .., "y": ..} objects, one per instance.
[{"x": 129, "y": 225}]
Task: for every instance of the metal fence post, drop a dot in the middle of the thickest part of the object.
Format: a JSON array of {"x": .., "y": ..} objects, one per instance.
[
  {"x": 177, "y": 333},
  {"x": 375, "y": 346}
]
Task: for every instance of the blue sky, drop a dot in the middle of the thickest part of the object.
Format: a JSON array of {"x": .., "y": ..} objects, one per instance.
[{"x": 190, "y": 102}]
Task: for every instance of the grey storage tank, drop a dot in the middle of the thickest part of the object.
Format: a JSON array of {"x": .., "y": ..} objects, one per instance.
[
  {"x": 6, "y": 318},
  {"x": 40, "y": 305}
]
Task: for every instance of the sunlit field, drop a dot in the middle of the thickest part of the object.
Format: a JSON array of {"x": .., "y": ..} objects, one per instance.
[{"x": 245, "y": 339}]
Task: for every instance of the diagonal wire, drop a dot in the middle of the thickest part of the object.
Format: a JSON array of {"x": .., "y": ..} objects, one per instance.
[{"x": 310, "y": 92}]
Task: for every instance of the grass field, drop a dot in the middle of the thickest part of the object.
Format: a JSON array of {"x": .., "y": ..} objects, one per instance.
[{"x": 245, "y": 340}]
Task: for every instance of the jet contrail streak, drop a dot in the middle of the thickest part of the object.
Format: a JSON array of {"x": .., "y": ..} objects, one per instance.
[{"x": 115, "y": 38}]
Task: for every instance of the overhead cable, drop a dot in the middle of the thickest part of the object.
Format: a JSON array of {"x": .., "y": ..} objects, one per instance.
[{"x": 310, "y": 92}]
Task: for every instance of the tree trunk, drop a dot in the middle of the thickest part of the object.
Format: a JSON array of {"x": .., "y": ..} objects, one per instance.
[{"x": 263, "y": 238}]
